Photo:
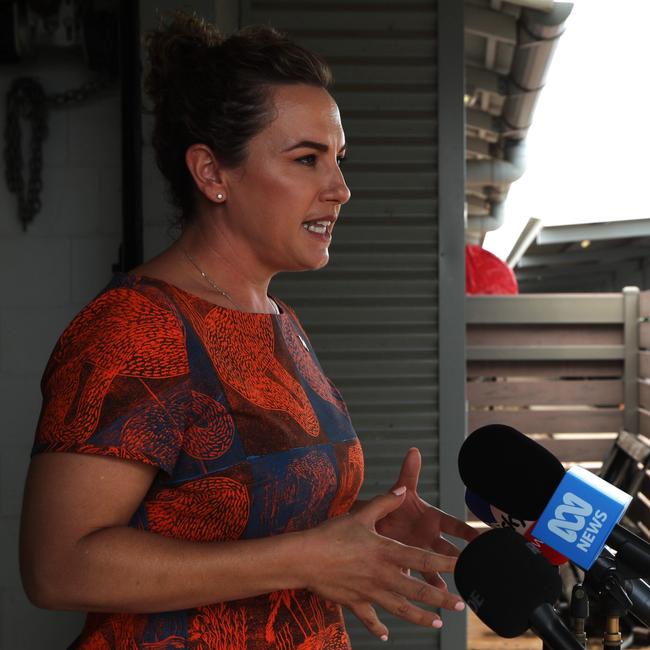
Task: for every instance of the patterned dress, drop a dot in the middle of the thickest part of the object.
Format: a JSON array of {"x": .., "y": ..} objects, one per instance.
[{"x": 251, "y": 439}]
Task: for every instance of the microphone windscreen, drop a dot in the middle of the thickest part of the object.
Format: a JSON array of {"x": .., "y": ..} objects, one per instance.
[
  {"x": 480, "y": 508},
  {"x": 509, "y": 470},
  {"x": 504, "y": 579}
]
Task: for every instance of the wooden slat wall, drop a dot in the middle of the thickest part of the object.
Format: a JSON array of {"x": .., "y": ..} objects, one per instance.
[
  {"x": 552, "y": 366},
  {"x": 639, "y": 511},
  {"x": 644, "y": 363},
  {"x": 569, "y": 381},
  {"x": 638, "y": 514},
  {"x": 522, "y": 393}
]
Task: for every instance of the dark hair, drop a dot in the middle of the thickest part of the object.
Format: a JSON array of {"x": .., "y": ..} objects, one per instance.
[{"x": 217, "y": 91}]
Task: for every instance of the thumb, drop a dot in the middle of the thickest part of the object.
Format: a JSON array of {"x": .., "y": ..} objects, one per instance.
[
  {"x": 410, "y": 471},
  {"x": 381, "y": 506}
]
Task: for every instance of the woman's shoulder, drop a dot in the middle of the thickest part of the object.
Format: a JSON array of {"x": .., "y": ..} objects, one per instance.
[
  {"x": 130, "y": 298},
  {"x": 130, "y": 312}
]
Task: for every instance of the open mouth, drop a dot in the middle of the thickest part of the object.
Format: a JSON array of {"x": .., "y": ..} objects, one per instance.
[{"x": 319, "y": 226}]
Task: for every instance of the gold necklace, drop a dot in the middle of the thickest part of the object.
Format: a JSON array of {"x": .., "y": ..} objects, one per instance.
[{"x": 217, "y": 288}]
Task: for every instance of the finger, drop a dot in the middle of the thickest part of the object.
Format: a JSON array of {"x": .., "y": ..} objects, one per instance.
[
  {"x": 445, "y": 547},
  {"x": 436, "y": 580},
  {"x": 380, "y": 506},
  {"x": 410, "y": 472},
  {"x": 457, "y": 528},
  {"x": 423, "y": 592},
  {"x": 368, "y": 616},
  {"x": 416, "y": 558},
  {"x": 402, "y": 608}
]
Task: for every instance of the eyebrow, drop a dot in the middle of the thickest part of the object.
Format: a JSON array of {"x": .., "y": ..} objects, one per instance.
[{"x": 313, "y": 145}]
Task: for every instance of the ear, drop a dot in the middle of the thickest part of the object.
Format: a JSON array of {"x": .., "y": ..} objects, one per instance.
[{"x": 207, "y": 172}]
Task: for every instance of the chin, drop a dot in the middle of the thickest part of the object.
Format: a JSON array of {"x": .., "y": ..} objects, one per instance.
[
  {"x": 309, "y": 266},
  {"x": 306, "y": 260},
  {"x": 312, "y": 262},
  {"x": 322, "y": 262}
]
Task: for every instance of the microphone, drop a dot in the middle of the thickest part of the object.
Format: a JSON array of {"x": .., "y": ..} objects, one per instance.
[
  {"x": 511, "y": 587},
  {"x": 575, "y": 511},
  {"x": 509, "y": 470},
  {"x": 495, "y": 518}
]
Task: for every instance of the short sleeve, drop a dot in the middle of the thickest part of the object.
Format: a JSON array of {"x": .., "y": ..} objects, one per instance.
[{"x": 116, "y": 383}]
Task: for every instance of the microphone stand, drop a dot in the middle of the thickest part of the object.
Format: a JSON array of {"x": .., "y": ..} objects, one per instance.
[
  {"x": 612, "y": 637},
  {"x": 611, "y": 585},
  {"x": 579, "y": 613},
  {"x": 550, "y": 628}
]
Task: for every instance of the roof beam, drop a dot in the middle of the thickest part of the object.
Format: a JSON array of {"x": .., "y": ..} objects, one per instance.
[
  {"x": 573, "y": 271},
  {"x": 490, "y": 24},
  {"x": 584, "y": 256},
  {"x": 484, "y": 80},
  {"x": 478, "y": 147},
  {"x": 594, "y": 231},
  {"x": 482, "y": 121}
]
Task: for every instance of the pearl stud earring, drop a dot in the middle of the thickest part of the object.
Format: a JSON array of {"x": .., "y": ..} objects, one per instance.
[{"x": 219, "y": 196}]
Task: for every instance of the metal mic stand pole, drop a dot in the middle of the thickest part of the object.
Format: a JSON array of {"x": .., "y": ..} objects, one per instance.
[
  {"x": 612, "y": 637},
  {"x": 579, "y": 613},
  {"x": 607, "y": 582}
]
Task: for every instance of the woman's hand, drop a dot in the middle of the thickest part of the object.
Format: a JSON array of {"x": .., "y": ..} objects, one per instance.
[
  {"x": 417, "y": 523},
  {"x": 346, "y": 561}
]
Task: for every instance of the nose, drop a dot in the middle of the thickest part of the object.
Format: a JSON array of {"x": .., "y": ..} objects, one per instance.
[{"x": 337, "y": 189}]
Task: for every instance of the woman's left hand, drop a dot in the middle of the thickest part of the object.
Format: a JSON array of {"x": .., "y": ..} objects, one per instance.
[{"x": 418, "y": 523}]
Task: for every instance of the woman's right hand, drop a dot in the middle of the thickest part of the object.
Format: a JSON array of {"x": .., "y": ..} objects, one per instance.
[{"x": 348, "y": 562}]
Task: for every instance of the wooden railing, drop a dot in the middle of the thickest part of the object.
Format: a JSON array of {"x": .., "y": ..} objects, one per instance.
[
  {"x": 630, "y": 458},
  {"x": 573, "y": 372}
]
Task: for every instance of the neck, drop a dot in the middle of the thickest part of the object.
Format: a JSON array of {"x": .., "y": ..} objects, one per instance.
[{"x": 224, "y": 269}]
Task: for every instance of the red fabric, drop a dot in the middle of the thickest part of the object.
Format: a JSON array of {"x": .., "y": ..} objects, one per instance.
[
  {"x": 485, "y": 273},
  {"x": 251, "y": 438}
]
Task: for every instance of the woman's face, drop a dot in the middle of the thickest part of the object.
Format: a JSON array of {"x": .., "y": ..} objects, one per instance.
[{"x": 284, "y": 200}]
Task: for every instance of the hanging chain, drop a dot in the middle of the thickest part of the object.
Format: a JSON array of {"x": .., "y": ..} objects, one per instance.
[{"x": 26, "y": 99}]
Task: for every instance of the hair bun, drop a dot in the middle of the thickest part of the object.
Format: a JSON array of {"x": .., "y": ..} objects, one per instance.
[{"x": 181, "y": 43}]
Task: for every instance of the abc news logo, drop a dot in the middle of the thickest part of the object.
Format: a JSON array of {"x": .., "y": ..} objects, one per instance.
[{"x": 574, "y": 517}]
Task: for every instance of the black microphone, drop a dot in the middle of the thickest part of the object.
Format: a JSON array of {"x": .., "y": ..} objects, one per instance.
[
  {"x": 511, "y": 587},
  {"x": 519, "y": 476},
  {"x": 509, "y": 470}
]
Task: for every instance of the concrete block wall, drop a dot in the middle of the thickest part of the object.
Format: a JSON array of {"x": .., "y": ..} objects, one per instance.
[
  {"x": 49, "y": 272},
  {"x": 46, "y": 275}
]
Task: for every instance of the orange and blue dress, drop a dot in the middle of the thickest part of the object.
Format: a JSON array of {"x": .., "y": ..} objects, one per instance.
[{"x": 250, "y": 437}]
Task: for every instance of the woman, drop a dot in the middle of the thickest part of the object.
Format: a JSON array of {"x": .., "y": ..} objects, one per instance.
[{"x": 204, "y": 493}]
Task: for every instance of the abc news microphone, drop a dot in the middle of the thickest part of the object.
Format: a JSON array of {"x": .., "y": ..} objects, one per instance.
[
  {"x": 511, "y": 587},
  {"x": 496, "y": 518},
  {"x": 577, "y": 512},
  {"x": 574, "y": 513}
]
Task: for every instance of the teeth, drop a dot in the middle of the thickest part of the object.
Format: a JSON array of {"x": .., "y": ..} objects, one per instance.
[
  {"x": 314, "y": 227},
  {"x": 319, "y": 227}
]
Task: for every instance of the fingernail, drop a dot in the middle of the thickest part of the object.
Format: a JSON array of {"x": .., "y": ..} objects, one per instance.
[
  {"x": 437, "y": 623},
  {"x": 384, "y": 637},
  {"x": 399, "y": 491},
  {"x": 459, "y": 606}
]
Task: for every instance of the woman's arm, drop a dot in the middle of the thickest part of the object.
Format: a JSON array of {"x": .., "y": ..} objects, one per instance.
[{"x": 78, "y": 552}]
